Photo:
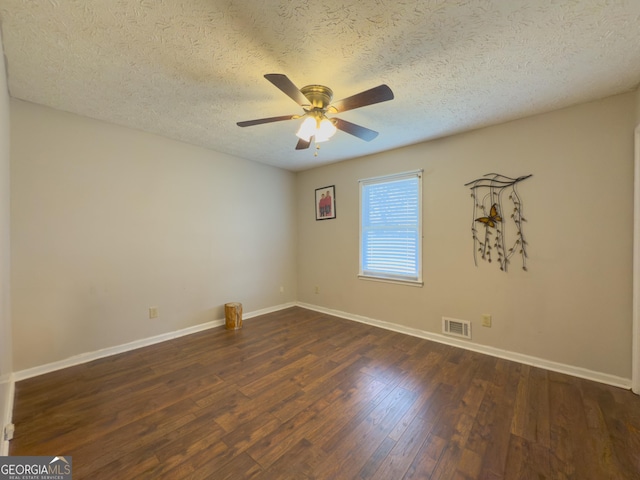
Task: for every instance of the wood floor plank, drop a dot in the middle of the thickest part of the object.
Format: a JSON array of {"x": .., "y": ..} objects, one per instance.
[
  {"x": 427, "y": 458},
  {"x": 403, "y": 451},
  {"x": 491, "y": 434},
  {"x": 282, "y": 374},
  {"x": 351, "y": 406},
  {"x": 161, "y": 428},
  {"x": 526, "y": 459},
  {"x": 298, "y": 394},
  {"x": 288, "y": 410},
  {"x": 374, "y": 462},
  {"x": 301, "y": 462},
  {"x": 351, "y": 448},
  {"x": 201, "y": 435},
  {"x": 273, "y": 446}
]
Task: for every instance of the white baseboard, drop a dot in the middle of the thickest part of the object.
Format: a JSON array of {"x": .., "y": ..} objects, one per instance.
[
  {"x": 495, "y": 352},
  {"x": 8, "y": 388},
  {"x": 264, "y": 311},
  {"x": 144, "y": 342}
]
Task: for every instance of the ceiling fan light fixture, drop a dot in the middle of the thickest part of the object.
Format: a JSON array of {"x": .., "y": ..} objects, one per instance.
[
  {"x": 307, "y": 129},
  {"x": 318, "y": 126},
  {"x": 326, "y": 130}
]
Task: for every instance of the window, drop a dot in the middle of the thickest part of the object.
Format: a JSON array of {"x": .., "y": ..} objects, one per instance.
[{"x": 391, "y": 228}]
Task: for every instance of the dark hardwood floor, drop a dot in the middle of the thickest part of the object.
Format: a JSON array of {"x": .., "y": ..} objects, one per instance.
[{"x": 301, "y": 395}]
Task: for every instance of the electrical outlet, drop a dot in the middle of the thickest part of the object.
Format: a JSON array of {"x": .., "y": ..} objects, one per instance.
[
  {"x": 317, "y": 290},
  {"x": 486, "y": 320},
  {"x": 153, "y": 312},
  {"x": 9, "y": 431}
]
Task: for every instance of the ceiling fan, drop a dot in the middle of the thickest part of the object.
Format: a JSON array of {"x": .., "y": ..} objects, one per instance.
[{"x": 316, "y": 101}]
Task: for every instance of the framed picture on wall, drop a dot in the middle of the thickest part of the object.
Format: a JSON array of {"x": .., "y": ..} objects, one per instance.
[{"x": 326, "y": 203}]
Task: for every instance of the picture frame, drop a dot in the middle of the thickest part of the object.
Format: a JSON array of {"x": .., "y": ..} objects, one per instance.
[{"x": 325, "y": 201}]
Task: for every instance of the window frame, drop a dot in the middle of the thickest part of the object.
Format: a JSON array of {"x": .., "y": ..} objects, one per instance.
[{"x": 379, "y": 276}]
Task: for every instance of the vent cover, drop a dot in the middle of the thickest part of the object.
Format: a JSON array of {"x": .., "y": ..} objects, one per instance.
[{"x": 459, "y": 328}]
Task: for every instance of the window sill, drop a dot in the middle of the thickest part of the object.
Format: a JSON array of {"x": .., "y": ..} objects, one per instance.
[{"x": 410, "y": 283}]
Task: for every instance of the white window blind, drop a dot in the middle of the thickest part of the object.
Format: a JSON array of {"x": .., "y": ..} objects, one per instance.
[{"x": 390, "y": 227}]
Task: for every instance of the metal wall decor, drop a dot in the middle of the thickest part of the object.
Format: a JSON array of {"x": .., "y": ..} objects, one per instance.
[{"x": 489, "y": 225}]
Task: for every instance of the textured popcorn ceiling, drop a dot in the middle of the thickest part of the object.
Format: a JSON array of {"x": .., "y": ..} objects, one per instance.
[{"x": 191, "y": 69}]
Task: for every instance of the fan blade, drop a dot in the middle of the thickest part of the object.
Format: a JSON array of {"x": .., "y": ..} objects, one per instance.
[
  {"x": 302, "y": 144},
  {"x": 249, "y": 123},
  {"x": 378, "y": 94},
  {"x": 283, "y": 83},
  {"x": 356, "y": 130}
]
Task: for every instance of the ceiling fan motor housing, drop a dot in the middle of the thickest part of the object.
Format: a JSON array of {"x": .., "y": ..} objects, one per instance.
[{"x": 319, "y": 95}]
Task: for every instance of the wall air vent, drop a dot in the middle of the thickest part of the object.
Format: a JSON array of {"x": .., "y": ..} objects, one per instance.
[{"x": 459, "y": 328}]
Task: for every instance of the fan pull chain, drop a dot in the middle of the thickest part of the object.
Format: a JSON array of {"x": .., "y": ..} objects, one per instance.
[{"x": 317, "y": 150}]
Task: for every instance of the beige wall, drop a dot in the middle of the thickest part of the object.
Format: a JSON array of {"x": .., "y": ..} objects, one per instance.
[
  {"x": 636, "y": 331},
  {"x": 5, "y": 310},
  {"x": 108, "y": 221},
  {"x": 573, "y": 306}
]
